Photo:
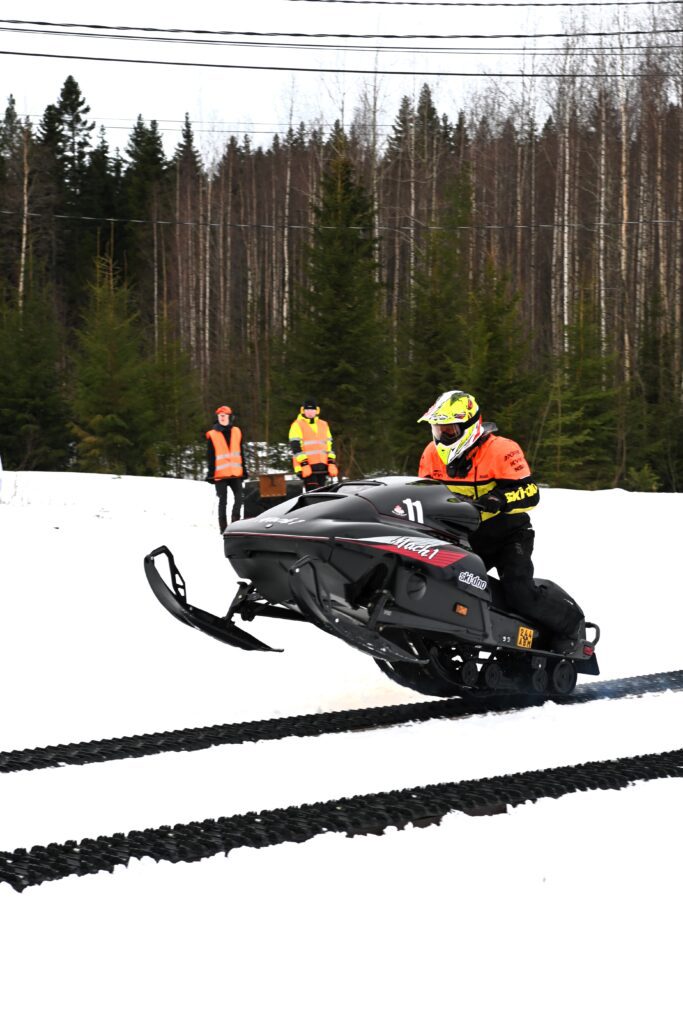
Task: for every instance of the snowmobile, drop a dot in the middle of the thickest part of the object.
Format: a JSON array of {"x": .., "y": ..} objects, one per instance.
[{"x": 387, "y": 566}]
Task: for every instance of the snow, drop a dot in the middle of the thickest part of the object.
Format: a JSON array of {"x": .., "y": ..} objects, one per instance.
[{"x": 564, "y": 910}]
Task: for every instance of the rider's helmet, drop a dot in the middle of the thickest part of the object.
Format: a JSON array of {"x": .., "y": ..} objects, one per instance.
[{"x": 456, "y": 424}]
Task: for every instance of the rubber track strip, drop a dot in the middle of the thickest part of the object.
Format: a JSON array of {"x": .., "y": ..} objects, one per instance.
[
  {"x": 203, "y": 737},
  {"x": 358, "y": 815}
]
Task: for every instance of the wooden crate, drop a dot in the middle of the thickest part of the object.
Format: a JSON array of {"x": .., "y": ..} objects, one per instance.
[{"x": 272, "y": 485}]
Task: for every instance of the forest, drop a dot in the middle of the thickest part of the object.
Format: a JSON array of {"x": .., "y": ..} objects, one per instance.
[{"x": 527, "y": 248}]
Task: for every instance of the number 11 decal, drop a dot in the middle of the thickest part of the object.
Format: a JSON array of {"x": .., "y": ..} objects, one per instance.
[{"x": 414, "y": 509}]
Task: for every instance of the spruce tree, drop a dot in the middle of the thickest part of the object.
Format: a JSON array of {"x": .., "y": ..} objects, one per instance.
[
  {"x": 144, "y": 187},
  {"x": 651, "y": 409},
  {"x": 74, "y": 136},
  {"x": 339, "y": 352},
  {"x": 402, "y": 132},
  {"x": 186, "y": 157},
  {"x": 179, "y": 447},
  {"x": 463, "y": 336},
  {"x": 145, "y": 169},
  {"x": 64, "y": 146},
  {"x": 33, "y": 413},
  {"x": 113, "y": 388},
  {"x": 574, "y": 438},
  {"x": 499, "y": 374},
  {"x": 10, "y": 137},
  {"x": 100, "y": 200},
  {"x": 11, "y": 145},
  {"x": 444, "y": 330},
  {"x": 428, "y": 127}
]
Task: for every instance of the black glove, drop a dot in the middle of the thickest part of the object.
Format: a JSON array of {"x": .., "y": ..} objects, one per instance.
[
  {"x": 245, "y": 475},
  {"x": 209, "y": 478},
  {"x": 491, "y": 502}
]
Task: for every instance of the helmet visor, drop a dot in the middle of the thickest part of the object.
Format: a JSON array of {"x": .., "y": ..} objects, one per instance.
[{"x": 446, "y": 433}]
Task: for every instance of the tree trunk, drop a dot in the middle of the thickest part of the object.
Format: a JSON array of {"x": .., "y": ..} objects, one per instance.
[{"x": 25, "y": 136}]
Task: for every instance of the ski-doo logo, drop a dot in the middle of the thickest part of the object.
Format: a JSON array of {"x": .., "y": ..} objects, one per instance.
[
  {"x": 521, "y": 493},
  {"x": 472, "y": 580},
  {"x": 437, "y": 552},
  {"x": 398, "y": 511}
]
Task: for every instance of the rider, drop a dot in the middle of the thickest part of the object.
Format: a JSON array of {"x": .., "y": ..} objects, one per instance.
[{"x": 492, "y": 472}]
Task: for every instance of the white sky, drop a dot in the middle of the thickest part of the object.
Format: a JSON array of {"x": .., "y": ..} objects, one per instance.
[
  {"x": 221, "y": 101},
  {"x": 560, "y": 911}
]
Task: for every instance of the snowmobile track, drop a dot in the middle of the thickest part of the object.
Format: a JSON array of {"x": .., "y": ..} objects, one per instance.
[
  {"x": 358, "y": 815},
  {"x": 203, "y": 737}
]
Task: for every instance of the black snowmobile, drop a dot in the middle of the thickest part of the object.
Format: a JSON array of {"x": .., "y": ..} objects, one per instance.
[{"x": 386, "y": 565}]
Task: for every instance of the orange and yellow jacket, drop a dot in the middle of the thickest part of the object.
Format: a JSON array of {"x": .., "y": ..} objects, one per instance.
[
  {"x": 311, "y": 441},
  {"x": 495, "y": 470}
]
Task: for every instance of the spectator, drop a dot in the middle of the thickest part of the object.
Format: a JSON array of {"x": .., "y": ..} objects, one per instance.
[
  {"x": 227, "y": 468},
  {"x": 310, "y": 442}
]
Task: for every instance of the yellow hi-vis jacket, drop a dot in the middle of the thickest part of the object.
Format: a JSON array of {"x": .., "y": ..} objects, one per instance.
[{"x": 311, "y": 441}]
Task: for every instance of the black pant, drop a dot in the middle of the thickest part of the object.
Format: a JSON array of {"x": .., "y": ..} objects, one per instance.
[
  {"x": 511, "y": 556},
  {"x": 235, "y": 485},
  {"x": 316, "y": 479}
]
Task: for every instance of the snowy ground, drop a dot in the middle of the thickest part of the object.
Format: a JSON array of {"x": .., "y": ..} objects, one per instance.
[{"x": 565, "y": 910}]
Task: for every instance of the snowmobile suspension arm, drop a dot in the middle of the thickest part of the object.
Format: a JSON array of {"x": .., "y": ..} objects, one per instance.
[{"x": 246, "y": 604}]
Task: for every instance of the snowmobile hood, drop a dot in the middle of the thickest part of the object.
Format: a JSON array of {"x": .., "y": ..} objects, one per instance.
[{"x": 411, "y": 505}]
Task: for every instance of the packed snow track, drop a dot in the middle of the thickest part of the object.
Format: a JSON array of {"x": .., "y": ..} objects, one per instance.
[{"x": 353, "y": 815}]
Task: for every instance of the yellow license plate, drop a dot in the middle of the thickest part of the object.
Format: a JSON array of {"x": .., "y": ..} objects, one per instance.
[{"x": 525, "y": 637}]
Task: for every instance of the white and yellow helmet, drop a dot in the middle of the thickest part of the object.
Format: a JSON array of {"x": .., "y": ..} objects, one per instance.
[{"x": 456, "y": 424}]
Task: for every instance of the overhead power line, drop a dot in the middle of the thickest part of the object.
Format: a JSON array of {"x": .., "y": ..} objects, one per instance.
[
  {"x": 515, "y": 49},
  {"x": 311, "y": 35},
  {"x": 498, "y": 3},
  {"x": 382, "y": 229},
  {"x": 372, "y": 72}
]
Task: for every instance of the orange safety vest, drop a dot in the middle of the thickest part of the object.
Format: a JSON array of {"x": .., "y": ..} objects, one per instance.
[
  {"x": 313, "y": 441},
  {"x": 228, "y": 460}
]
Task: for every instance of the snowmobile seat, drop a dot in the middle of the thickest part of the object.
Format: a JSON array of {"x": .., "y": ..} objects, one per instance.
[{"x": 555, "y": 610}]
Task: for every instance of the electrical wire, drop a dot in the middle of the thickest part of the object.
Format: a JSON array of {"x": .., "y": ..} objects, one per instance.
[
  {"x": 497, "y": 3},
  {"x": 477, "y": 51},
  {"x": 425, "y": 50},
  {"x": 372, "y": 72},
  {"x": 331, "y": 227},
  {"x": 323, "y": 35}
]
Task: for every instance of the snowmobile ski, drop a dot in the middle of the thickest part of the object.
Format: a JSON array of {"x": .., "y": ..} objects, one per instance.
[{"x": 175, "y": 602}]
